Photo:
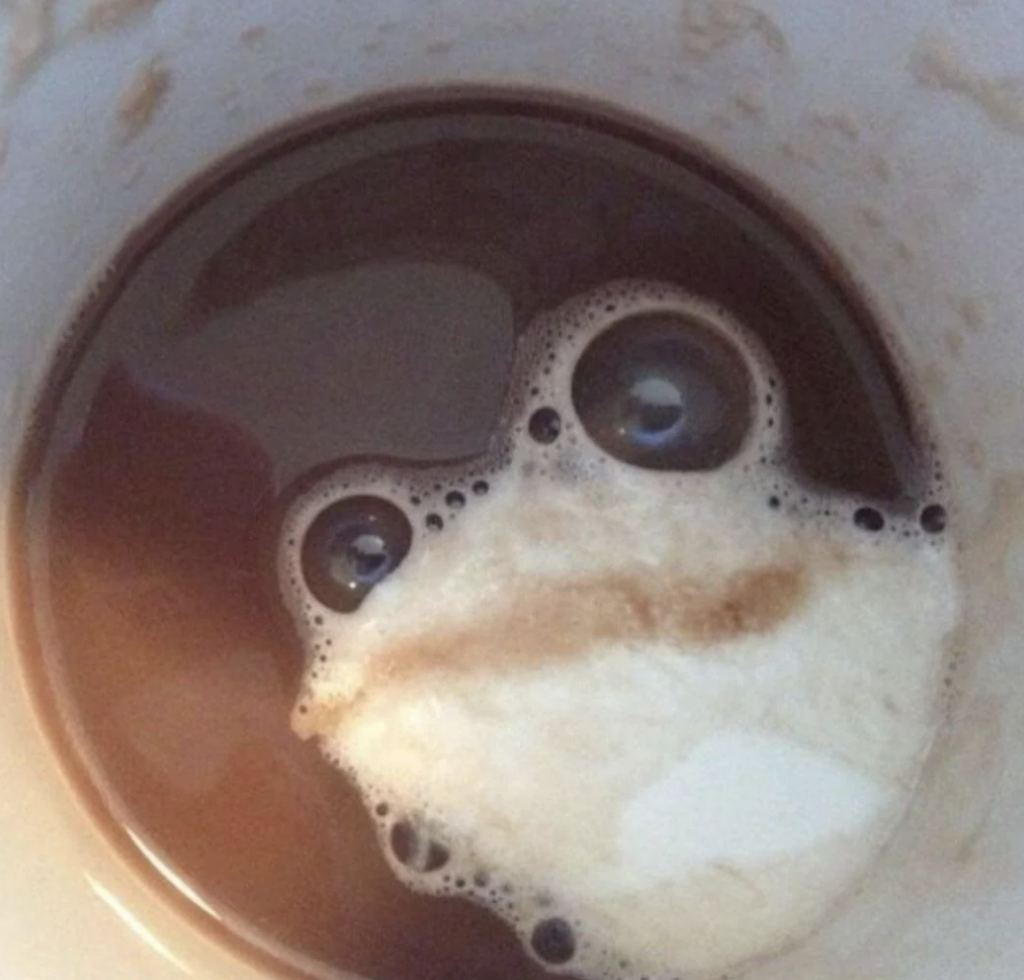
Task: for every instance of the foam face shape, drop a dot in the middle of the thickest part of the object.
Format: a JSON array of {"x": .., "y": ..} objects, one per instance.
[{"x": 659, "y": 716}]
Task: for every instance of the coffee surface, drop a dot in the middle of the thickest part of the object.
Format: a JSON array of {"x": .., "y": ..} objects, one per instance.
[{"x": 363, "y": 295}]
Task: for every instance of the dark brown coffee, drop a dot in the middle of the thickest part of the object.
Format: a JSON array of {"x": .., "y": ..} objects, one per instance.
[{"x": 354, "y": 289}]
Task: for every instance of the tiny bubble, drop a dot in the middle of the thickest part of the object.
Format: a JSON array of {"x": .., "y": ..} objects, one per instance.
[
  {"x": 414, "y": 850},
  {"x": 933, "y": 519},
  {"x": 774, "y": 502},
  {"x": 869, "y": 519},
  {"x": 437, "y": 856},
  {"x": 434, "y": 522},
  {"x": 455, "y": 499},
  {"x": 545, "y": 426},
  {"x": 553, "y": 941},
  {"x": 481, "y": 487}
]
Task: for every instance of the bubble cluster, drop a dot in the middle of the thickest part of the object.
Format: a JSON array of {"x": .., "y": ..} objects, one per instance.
[{"x": 645, "y": 435}]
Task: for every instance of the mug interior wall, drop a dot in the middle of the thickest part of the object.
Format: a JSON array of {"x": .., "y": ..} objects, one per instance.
[{"x": 894, "y": 129}]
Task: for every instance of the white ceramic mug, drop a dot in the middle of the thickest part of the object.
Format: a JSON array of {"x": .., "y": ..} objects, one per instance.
[{"x": 897, "y": 130}]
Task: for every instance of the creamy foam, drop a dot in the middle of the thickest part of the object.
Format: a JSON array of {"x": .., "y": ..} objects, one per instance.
[{"x": 660, "y": 722}]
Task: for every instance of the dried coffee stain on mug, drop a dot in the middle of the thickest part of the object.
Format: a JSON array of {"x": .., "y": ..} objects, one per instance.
[
  {"x": 30, "y": 36},
  {"x": 143, "y": 97},
  {"x": 710, "y": 26},
  {"x": 937, "y": 65},
  {"x": 104, "y": 16}
]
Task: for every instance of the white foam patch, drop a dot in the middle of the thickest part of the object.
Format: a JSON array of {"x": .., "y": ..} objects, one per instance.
[
  {"x": 647, "y": 705},
  {"x": 743, "y": 797}
]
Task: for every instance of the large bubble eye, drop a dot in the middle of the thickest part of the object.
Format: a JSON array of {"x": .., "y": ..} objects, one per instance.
[
  {"x": 664, "y": 391},
  {"x": 350, "y": 547}
]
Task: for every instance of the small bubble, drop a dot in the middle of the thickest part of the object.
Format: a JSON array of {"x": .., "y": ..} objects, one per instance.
[
  {"x": 545, "y": 426},
  {"x": 415, "y": 500},
  {"x": 481, "y": 487},
  {"x": 933, "y": 519},
  {"x": 434, "y": 522},
  {"x": 382, "y": 810},
  {"x": 553, "y": 941},
  {"x": 774, "y": 502},
  {"x": 416, "y": 850},
  {"x": 455, "y": 499},
  {"x": 481, "y": 879},
  {"x": 869, "y": 519},
  {"x": 318, "y": 620}
]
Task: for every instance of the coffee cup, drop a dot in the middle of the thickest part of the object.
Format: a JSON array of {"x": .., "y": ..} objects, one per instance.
[{"x": 892, "y": 133}]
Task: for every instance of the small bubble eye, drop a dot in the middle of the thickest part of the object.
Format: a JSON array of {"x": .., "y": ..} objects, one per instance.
[
  {"x": 545, "y": 426},
  {"x": 413, "y": 847},
  {"x": 664, "y": 391},
  {"x": 351, "y": 546},
  {"x": 553, "y": 941}
]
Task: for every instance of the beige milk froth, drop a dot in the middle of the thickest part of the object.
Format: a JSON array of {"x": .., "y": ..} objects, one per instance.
[{"x": 647, "y": 704}]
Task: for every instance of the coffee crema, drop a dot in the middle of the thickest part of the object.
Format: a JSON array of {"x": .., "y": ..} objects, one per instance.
[{"x": 595, "y": 497}]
